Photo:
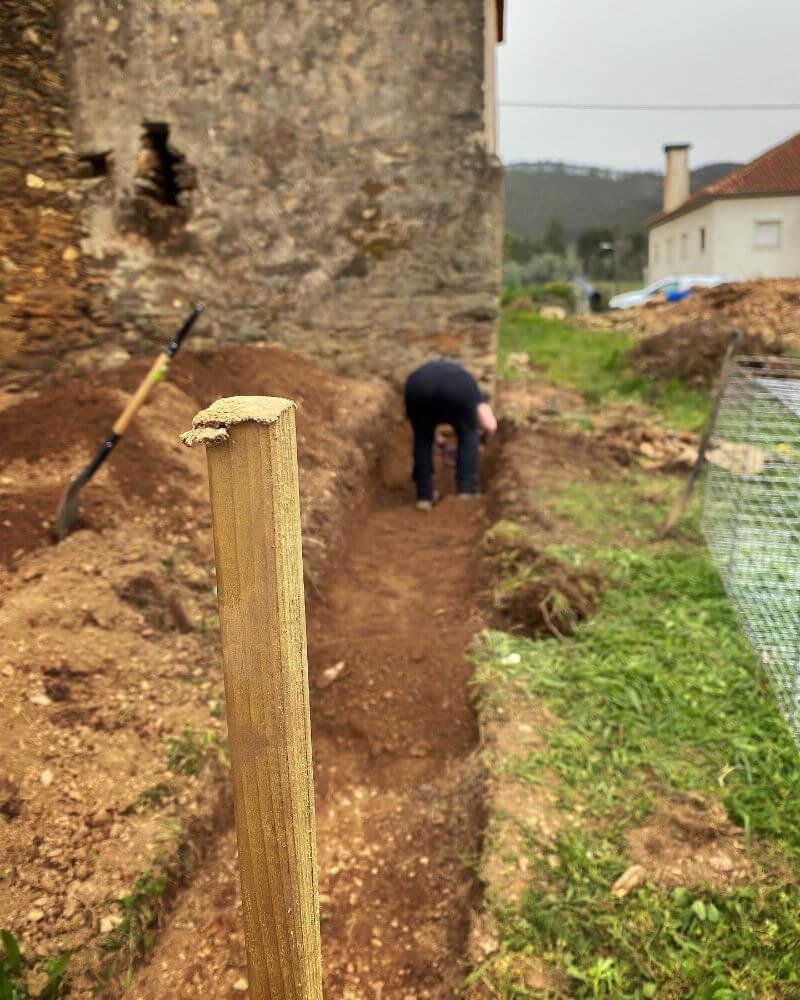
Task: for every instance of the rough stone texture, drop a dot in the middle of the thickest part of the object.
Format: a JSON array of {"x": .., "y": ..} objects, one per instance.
[
  {"x": 51, "y": 299},
  {"x": 335, "y": 194}
]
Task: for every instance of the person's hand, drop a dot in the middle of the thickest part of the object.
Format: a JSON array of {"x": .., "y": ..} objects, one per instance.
[{"x": 487, "y": 421}]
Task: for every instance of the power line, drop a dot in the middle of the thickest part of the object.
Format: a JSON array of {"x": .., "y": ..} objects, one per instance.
[{"x": 569, "y": 106}]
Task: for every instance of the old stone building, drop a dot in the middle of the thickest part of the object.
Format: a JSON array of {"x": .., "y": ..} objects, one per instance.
[{"x": 319, "y": 172}]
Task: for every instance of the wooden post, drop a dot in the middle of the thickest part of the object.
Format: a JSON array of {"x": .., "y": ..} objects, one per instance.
[{"x": 252, "y": 466}]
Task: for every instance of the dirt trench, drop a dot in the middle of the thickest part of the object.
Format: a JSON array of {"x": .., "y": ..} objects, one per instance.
[{"x": 399, "y": 791}]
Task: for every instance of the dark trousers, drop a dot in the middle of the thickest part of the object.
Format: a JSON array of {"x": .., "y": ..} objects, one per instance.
[{"x": 429, "y": 404}]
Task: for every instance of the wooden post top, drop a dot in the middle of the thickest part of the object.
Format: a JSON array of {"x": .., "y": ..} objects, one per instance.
[{"x": 210, "y": 426}]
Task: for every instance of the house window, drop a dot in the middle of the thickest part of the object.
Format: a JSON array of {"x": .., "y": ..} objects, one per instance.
[
  {"x": 702, "y": 239},
  {"x": 768, "y": 233},
  {"x": 684, "y": 245}
]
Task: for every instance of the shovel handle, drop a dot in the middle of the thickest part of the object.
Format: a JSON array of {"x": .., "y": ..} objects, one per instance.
[{"x": 157, "y": 372}]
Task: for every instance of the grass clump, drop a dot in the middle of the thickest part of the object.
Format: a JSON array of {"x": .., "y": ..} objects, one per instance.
[
  {"x": 187, "y": 753},
  {"x": 134, "y": 935},
  {"x": 21, "y": 979},
  {"x": 657, "y": 693}
]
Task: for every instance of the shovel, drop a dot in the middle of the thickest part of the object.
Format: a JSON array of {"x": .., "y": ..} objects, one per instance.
[{"x": 67, "y": 512}]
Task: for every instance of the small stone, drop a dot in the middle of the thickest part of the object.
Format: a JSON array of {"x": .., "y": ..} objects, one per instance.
[
  {"x": 107, "y": 924},
  {"x": 35, "y": 181},
  {"x": 631, "y": 879},
  {"x": 101, "y": 818},
  {"x": 112, "y": 25},
  {"x": 327, "y": 677},
  {"x": 46, "y": 777},
  {"x": 240, "y": 985},
  {"x": 31, "y": 35},
  {"x": 721, "y": 862},
  {"x": 511, "y": 660},
  {"x": 70, "y": 254},
  {"x": 41, "y": 699},
  {"x": 34, "y": 916}
]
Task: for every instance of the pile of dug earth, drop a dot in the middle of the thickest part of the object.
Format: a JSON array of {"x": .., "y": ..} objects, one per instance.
[{"x": 688, "y": 339}]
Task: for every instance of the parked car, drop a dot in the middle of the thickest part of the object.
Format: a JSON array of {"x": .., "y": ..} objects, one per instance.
[{"x": 673, "y": 289}]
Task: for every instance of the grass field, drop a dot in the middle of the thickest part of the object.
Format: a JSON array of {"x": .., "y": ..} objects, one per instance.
[{"x": 656, "y": 699}]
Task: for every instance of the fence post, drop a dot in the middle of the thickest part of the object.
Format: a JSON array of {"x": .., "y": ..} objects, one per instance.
[{"x": 252, "y": 466}]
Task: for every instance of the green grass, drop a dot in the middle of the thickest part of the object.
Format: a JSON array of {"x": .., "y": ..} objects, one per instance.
[
  {"x": 656, "y": 695},
  {"x": 17, "y": 972},
  {"x": 187, "y": 753},
  {"x": 595, "y": 363},
  {"x": 141, "y": 910}
]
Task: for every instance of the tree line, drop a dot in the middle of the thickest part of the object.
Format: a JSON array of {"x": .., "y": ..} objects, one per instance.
[{"x": 598, "y": 253}]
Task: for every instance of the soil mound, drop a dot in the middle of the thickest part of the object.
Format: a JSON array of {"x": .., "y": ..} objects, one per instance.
[
  {"x": 537, "y": 593},
  {"x": 150, "y": 478},
  {"x": 693, "y": 351},
  {"x": 689, "y": 840},
  {"x": 554, "y": 599},
  {"x": 631, "y": 437}
]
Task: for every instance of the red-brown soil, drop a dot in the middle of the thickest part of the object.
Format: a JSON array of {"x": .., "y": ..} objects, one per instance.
[
  {"x": 108, "y": 644},
  {"x": 398, "y": 791},
  {"x": 109, "y": 652}
]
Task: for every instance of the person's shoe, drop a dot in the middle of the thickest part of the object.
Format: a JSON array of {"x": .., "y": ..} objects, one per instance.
[{"x": 428, "y": 504}]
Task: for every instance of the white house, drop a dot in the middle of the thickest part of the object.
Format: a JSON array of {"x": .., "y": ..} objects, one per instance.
[{"x": 745, "y": 225}]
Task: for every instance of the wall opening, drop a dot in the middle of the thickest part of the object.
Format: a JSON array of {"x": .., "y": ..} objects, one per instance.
[
  {"x": 162, "y": 173},
  {"x": 95, "y": 164}
]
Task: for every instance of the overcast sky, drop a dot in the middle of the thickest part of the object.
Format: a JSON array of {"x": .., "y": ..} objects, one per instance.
[{"x": 623, "y": 51}]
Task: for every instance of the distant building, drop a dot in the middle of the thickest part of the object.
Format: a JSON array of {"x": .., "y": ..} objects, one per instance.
[{"x": 745, "y": 225}]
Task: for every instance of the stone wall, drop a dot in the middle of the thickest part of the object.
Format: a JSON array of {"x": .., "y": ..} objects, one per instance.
[
  {"x": 51, "y": 304},
  {"x": 315, "y": 170}
]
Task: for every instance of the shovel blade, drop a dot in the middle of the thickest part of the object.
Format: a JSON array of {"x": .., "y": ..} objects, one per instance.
[{"x": 67, "y": 513}]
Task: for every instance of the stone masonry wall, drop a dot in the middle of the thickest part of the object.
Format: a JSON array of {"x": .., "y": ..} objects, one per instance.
[
  {"x": 51, "y": 304},
  {"x": 315, "y": 170}
]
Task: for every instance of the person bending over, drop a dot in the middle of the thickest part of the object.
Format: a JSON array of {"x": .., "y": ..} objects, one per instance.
[{"x": 442, "y": 392}]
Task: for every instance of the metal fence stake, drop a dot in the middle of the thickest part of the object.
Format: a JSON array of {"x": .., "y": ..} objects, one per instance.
[{"x": 252, "y": 465}]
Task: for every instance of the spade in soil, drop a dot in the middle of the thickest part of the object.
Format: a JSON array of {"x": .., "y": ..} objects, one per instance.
[{"x": 67, "y": 513}]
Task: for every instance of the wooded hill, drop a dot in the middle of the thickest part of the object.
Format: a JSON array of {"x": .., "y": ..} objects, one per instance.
[{"x": 586, "y": 197}]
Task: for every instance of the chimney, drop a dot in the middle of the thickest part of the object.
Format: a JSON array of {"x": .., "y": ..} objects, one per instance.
[{"x": 677, "y": 183}]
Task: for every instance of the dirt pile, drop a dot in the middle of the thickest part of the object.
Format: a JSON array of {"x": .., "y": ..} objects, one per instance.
[
  {"x": 687, "y": 841},
  {"x": 768, "y": 309},
  {"x": 630, "y": 438},
  {"x": 688, "y": 339},
  {"x": 150, "y": 479},
  {"x": 111, "y": 731},
  {"x": 537, "y": 593},
  {"x": 693, "y": 351}
]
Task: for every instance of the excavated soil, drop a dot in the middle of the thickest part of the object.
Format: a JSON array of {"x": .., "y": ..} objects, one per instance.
[
  {"x": 694, "y": 351},
  {"x": 399, "y": 796},
  {"x": 115, "y": 787},
  {"x": 689, "y": 840}
]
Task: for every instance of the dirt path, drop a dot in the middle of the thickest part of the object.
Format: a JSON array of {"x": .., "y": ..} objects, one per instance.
[{"x": 398, "y": 792}]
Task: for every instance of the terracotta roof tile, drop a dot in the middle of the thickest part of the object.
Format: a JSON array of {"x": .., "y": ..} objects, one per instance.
[{"x": 775, "y": 172}]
